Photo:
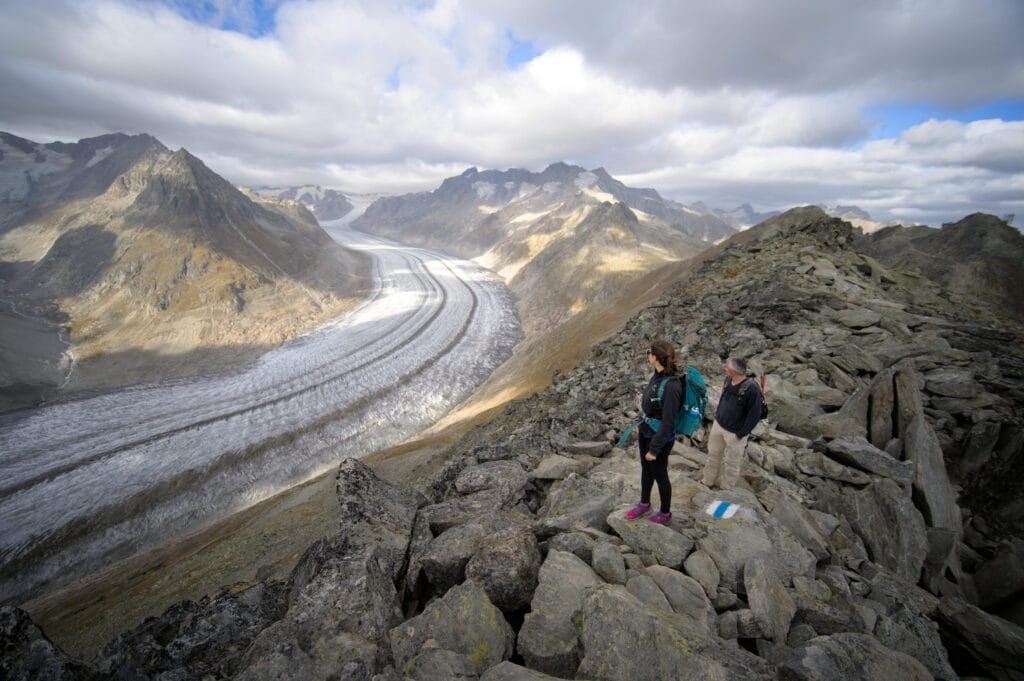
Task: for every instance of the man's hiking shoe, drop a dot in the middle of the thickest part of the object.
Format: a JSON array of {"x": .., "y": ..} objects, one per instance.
[
  {"x": 638, "y": 511},
  {"x": 660, "y": 518}
]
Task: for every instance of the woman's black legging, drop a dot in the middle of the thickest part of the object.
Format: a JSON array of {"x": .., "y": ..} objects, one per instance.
[{"x": 655, "y": 472}]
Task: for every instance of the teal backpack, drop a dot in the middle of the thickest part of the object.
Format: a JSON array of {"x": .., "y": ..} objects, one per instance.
[{"x": 691, "y": 411}]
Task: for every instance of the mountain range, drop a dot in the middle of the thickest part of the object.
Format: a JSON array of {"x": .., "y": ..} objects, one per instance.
[{"x": 145, "y": 264}]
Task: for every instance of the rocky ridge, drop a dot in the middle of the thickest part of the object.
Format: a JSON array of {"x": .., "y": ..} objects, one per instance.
[{"x": 859, "y": 552}]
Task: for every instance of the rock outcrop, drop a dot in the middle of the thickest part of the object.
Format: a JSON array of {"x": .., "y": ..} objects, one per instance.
[{"x": 855, "y": 553}]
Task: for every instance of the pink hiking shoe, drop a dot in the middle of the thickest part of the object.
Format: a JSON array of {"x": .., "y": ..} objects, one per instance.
[
  {"x": 660, "y": 518},
  {"x": 638, "y": 511}
]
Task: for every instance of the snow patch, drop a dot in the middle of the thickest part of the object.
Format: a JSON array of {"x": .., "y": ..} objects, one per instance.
[
  {"x": 585, "y": 179},
  {"x": 99, "y": 155},
  {"x": 527, "y": 189},
  {"x": 553, "y": 187},
  {"x": 600, "y": 195},
  {"x": 530, "y": 217},
  {"x": 484, "y": 190}
]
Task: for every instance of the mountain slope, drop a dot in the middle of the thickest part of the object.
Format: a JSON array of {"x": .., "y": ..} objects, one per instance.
[
  {"x": 154, "y": 264},
  {"x": 980, "y": 258}
]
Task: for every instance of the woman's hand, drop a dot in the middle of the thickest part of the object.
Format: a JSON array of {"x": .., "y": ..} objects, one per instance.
[{"x": 649, "y": 456}]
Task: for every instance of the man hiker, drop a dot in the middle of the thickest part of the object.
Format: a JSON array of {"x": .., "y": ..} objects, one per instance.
[{"x": 739, "y": 410}]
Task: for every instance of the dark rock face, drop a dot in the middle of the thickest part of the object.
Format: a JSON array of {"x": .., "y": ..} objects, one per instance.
[{"x": 854, "y": 554}]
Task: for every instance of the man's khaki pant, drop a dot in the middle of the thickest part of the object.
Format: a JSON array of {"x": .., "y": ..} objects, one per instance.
[{"x": 725, "y": 452}]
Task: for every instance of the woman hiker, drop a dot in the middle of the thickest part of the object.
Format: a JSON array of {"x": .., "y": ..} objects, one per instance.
[{"x": 656, "y": 445}]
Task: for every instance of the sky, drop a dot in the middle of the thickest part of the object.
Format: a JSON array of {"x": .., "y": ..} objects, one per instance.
[{"x": 912, "y": 110}]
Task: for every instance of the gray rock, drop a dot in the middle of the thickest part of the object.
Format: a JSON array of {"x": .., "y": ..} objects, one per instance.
[
  {"x": 578, "y": 543},
  {"x": 374, "y": 512},
  {"x": 771, "y": 604},
  {"x": 858, "y": 452},
  {"x": 444, "y": 559},
  {"x": 937, "y": 498},
  {"x": 506, "y": 564},
  {"x": 827, "y": 612},
  {"x": 28, "y": 655},
  {"x": 994, "y": 644},
  {"x": 730, "y": 544},
  {"x": 816, "y": 464},
  {"x": 1001, "y": 577},
  {"x": 433, "y": 663},
  {"x": 461, "y": 510},
  {"x": 597, "y": 449},
  {"x": 684, "y": 594},
  {"x": 660, "y": 542},
  {"x": 508, "y": 671},
  {"x": 508, "y": 474},
  {"x": 795, "y": 417},
  {"x": 739, "y": 624},
  {"x": 463, "y": 621},
  {"x": 851, "y": 657},
  {"x": 883, "y": 399},
  {"x": 918, "y": 637},
  {"x": 885, "y": 517},
  {"x": 609, "y": 564},
  {"x": 951, "y": 381},
  {"x": 799, "y": 521},
  {"x": 647, "y": 591},
  {"x": 908, "y": 384},
  {"x": 575, "y": 503},
  {"x": 204, "y": 638},
  {"x": 341, "y": 606},
  {"x": 621, "y": 638},
  {"x": 858, "y": 317},
  {"x": 547, "y": 639},
  {"x": 702, "y": 568},
  {"x": 556, "y": 467}
]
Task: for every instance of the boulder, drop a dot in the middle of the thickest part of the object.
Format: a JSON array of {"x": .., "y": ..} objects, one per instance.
[
  {"x": 444, "y": 559},
  {"x": 951, "y": 381},
  {"x": 205, "y": 638},
  {"x": 647, "y": 591},
  {"x": 858, "y": 317},
  {"x": 597, "y": 449},
  {"x": 608, "y": 563},
  {"x": 661, "y": 543},
  {"x": 463, "y": 621},
  {"x": 801, "y": 524},
  {"x": 509, "y": 671},
  {"x": 547, "y": 639},
  {"x": 1001, "y": 577},
  {"x": 575, "y": 503},
  {"x": 702, "y": 568},
  {"x": 825, "y": 611},
  {"x": 730, "y": 544},
  {"x": 851, "y": 657},
  {"x": 340, "y": 609},
  {"x": 685, "y": 595},
  {"x": 918, "y": 637},
  {"x": 580, "y": 544},
  {"x": 771, "y": 604},
  {"x": 506, "y": 564},
  {"x": 28, "y": 655},
  {"x": 556, "y": 467},
  {"x": 936, "y": 497},
  {"x": 374, "y": 512},
  {"x": 859, "y": 453},
  {"x": 489, "y": 475},
  {"x": 818, "y": 465},
  {"x": 883, "y": 399},
  {"x": 621, "y": 638},
  {"x": 990, "y": 642},
  {"x": 885, "y": 517}
]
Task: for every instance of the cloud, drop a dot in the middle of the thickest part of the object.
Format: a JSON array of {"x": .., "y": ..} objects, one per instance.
[{"x": 723, "y": 102}]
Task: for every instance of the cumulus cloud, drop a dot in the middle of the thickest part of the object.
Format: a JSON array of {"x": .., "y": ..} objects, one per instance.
[{"x": 724, "y": 102}]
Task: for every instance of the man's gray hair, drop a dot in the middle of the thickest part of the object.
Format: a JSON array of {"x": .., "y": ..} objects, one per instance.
[{"x": 738, "y": 364}]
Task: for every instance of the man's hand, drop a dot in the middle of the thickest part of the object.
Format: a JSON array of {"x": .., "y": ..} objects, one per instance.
[{"x": 649, "y": 456}]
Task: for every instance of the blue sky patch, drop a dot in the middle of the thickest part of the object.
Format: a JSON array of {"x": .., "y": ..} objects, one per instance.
[
  {"x": 893, "y": 119},
  {"x": 519, "y": 52},
  {"x": 255, "y": 19}
]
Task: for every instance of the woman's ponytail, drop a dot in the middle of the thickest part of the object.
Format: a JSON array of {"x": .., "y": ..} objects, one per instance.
[{"x": 666, "y": 356}]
